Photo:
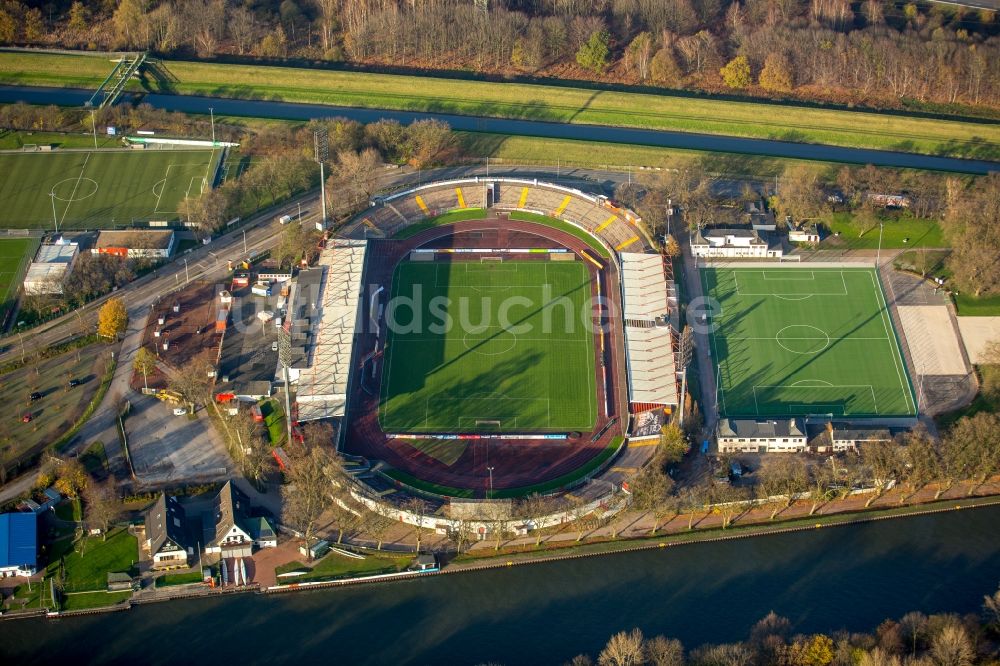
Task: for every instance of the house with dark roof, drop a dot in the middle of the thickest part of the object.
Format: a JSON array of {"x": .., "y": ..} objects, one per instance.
[
  {"x": 18, "y": 544},
  {"x": 166, "y": 535},
  {"x": 761, "y": 435},
  {"x": 230, "y": 530},
  {"x": 846, "y": 437}
]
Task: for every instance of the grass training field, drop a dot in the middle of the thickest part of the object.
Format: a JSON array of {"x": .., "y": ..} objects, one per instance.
[
  {"x": 797, "y": 341},
  {"x": 536, "y": 373},
  {"x": 556, "y": 103},
  {"x": 99, "y": 189},
  {"x": 15, "y": 255}
]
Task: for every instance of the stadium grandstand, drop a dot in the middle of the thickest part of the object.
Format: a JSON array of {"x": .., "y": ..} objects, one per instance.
[
  {"x": 323, "y": 384},
  {"x": 648, "y": 340}
]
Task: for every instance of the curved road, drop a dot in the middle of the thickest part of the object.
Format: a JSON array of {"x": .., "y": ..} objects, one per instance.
[{"x": 536, "y": 128}]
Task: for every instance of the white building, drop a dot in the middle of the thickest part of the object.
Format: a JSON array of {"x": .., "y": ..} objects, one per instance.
[
  {"x": 733, "y": 244},
  {"x": 761, "y": 436},
  {"x": 52, "y": 264}
]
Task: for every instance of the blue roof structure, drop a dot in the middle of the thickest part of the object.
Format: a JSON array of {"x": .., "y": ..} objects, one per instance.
[{"x": 18, "y": 540}]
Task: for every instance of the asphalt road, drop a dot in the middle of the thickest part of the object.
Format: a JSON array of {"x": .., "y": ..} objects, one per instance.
[{"x": 659, "y": 138}]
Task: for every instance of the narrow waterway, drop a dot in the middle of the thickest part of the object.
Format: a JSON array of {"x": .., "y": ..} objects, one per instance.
[
  {"x": 536, "y": 128},
  {"x": 837, "y": 577}
]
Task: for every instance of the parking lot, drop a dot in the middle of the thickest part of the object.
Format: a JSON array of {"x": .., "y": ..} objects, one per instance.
[
  {"x": 249, "y": 352},
  {"x": 165, "y": 447}
]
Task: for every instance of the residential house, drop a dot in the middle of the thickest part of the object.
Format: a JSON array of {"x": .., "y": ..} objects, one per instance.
[
  {"x": 803, "y": 232},
  {"x": 18, "y": 544},
  {"x": 759, "y": 217},
  {"x": 736, "y": 244},
  {"x": 136, "y": 244},
  {"x": 230, "y": 530},
  {"x": 846, "y": 437},
  {"x": 761, "y": 436},
  {"x": 166, "y": 538}
]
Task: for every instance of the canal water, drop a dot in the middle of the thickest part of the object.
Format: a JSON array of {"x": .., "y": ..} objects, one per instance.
[{"x": 849, "y": 577}]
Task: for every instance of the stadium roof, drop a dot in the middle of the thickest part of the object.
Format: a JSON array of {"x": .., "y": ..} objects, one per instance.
[
  {"x": 645, "y": 286},
  {"x": 649, "y": 346},
  {"x": 18, "y": 540},
  {"x": 322, "y": 389}
]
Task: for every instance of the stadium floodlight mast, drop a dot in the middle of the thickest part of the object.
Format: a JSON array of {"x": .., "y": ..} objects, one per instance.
[
  {"x": 321, "y": 153},
  {"x": 491, "y": 468},
  {"x": 878, "y": 252},
  {"x": 55, "y": 218},
  {"x": 211, "y": 113}
]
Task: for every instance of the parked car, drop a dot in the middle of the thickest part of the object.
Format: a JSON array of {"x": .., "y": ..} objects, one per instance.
[
  {"x": 274, "y": 346},
  {"x": 35, "y": 396},
  {"x": 27, "y": 418},
  {"x": 74, "y": 382},
  {"x": 180, "y": 411},
  {"x": 285, "y": 219}
]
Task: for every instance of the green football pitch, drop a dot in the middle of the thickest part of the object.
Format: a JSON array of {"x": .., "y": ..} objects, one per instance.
[
  {"x": 15, "y": 255},
  {"x": 100, "y": 188},
  {"x": 516, "y": 357},
  {"x": 799, "y": 342}
]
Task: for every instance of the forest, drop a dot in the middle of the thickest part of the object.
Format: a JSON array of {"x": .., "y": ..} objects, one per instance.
[{"x": 875, "y": 53}]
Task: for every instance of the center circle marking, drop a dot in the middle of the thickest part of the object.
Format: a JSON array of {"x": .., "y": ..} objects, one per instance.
[
  {"x": 490, "y": 345},
  {"x": 85, "y": 188},
  {"x": 802, "y": 339}
]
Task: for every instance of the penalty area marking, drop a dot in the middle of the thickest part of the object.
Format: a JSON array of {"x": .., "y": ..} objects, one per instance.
[{"x": 798, "y": 387}]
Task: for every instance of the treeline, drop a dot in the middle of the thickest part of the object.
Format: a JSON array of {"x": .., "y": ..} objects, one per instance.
[
  {"x": 874, "y": 52},
  {"x": 969, "y": 450},
  {"x": 965, "y": 207},
  {"x": 916, "y": 639}
]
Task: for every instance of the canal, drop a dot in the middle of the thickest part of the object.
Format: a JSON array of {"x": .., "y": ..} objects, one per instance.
[{"x": 849, "y": 577}]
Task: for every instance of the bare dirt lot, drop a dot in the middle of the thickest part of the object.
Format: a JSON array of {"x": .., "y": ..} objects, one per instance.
[{"x": 190, "y": 331}]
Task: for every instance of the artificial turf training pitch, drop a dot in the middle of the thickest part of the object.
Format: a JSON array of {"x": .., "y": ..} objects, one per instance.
[
  {"x": 798, "y": 342},
  {"x": 534, "y": 375},
  {"x": 100, "y": 188}
]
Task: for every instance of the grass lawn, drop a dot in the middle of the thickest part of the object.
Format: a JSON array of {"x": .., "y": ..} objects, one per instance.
[
  {"x": 89, "y": 570},
  {"x": 167, "y": 580},
  {"x": 970, "y": 306},
  {"x": 69, "y": 510},
  {"x": 15, "y": 255},
  {"x": 528, "y": 150},
  {"x": 274, "y": 421},
  {"x": 96, "y": 189},
  {"x": 17, "y": 139},
  {"x": 900, "y": 232},
  {"x": 86, "y": 600},
  {"x": 335, "y": 566},
  {"x": 60, "y": 407},
  {"x": 529, "y": 101},
  {"x": 923, "y": 262},
  {"x": 440, "y": 220},
  {"x": 529, "y": 369},
  {"x": 798, "y": 342},
  {"x": 571, "y": 229}
]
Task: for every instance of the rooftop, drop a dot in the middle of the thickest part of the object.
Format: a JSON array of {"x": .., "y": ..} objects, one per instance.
[
  {"x": 18, "y": 540},
  {"x": 765, "y": 428},
  {"x": 61, "y": 253},
  {"x": 135, "y": 239}
]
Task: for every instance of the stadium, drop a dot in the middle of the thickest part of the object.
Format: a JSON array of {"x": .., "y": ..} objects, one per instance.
[{"x": 491, "y": 338}]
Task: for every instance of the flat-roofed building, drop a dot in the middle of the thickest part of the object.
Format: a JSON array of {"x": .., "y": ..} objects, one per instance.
[{"x": 136, "y": 243}]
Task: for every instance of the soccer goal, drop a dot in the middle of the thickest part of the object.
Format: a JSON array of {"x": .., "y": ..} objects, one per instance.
[
  {"x": 491, "y": 260},
  {"x": 485, "y": 424}
]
